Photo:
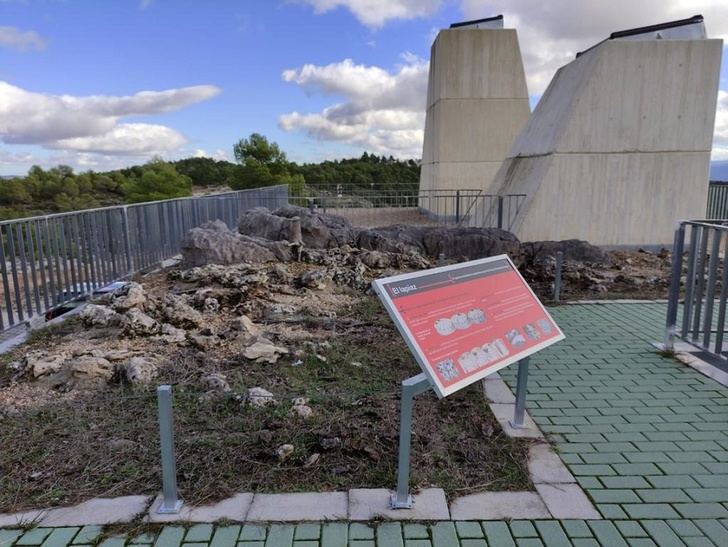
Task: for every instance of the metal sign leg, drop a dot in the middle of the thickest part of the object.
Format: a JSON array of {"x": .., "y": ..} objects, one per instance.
[
  {"x": 520, "y": 408},
  {"x": 171, "y": 504},
  {"x": 411, "y": 387}
]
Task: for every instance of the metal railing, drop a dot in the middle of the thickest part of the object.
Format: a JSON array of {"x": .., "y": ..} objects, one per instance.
[
  {"x": 449, "y": 207},
  {"x": 717, "y": 200},
  {"x": 51, "y": 260},
  {"x": 699, "y": 248}
]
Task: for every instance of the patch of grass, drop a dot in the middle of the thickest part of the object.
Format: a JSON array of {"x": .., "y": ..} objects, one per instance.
[{"x": 104, "y": 442}]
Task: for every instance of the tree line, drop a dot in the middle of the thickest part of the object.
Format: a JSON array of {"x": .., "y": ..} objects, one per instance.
[{"x": 259, "y": 162}]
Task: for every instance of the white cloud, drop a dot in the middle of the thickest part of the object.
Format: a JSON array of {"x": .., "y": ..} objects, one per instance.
[
  {"x": 551, "y": 33},
  {"x": 91, "y": 124},
  {"x": 375, "y": 13},
  {"x": 132, "y": 139},
  {"x": 219, "y": 154},
  {"x": 21, "y": 40},
  {"x": 27, "y": 117},
  {"x": 382, "y": 112},
  {"x": 720, "y": 137},
  {"x": 9, "y": 158}
]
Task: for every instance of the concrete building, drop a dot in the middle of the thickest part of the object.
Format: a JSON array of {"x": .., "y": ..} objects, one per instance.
[
  {"x": 618, "y": 148},
  {"x": 477, "y": 103}
]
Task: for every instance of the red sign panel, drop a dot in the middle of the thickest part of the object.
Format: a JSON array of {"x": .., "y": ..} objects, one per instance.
[{"x": 469, "y": 320}]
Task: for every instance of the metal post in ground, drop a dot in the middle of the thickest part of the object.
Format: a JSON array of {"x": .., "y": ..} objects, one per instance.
[
  {"x": 557, "y": 275},
  {"x": 457, "y": 207},
  {"x": 171, "y": 504},
  {"x": 411, "y": 387},
  {"x": 520, "y": 408},
  {"x": 500, "y": 212},
  {"x": 441, "y": 259}
]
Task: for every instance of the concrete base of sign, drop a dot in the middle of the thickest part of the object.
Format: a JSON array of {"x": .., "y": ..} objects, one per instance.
[
  {"x": 304, "y": 506},
  {"x": 372, "y": 503},
  {"x": 504, "y": 414},
  {"x": 498, "y": 506},
  {"x": 235, "y": 508}
]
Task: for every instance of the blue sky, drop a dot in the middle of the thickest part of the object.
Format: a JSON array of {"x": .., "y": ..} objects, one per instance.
[{"x": 258, "y": 66}]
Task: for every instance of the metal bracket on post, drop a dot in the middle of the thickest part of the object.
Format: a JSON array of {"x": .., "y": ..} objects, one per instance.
[
  {"x": 171, "y": 504},
  {"x": 557, "y": 275},
  {"x": 411, "y": 387},
  {"x": 520, "y": 407}
]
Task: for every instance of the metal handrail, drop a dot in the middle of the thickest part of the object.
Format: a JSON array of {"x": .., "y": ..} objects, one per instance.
[{"x": 706, "y": 280}]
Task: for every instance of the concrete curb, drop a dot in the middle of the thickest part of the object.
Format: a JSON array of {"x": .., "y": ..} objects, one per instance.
[{"x": 557, "y": 495}]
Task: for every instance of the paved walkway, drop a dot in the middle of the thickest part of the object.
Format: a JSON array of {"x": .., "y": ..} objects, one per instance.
[{"x": 646, "y": 436}]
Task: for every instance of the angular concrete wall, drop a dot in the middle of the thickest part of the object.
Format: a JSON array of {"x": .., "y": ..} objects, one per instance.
[
  {"x": 477, "y": 103},
  {"x": 618, "y": 148}
]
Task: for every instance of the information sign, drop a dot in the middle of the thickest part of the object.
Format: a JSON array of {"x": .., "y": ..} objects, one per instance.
[{"x": 468, "y": 320}]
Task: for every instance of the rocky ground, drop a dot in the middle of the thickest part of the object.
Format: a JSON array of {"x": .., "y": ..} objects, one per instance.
[{"x": 286, "y": 369}]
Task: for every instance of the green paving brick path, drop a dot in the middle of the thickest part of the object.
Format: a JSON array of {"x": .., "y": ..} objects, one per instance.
[{"x": 645, "y": 435}]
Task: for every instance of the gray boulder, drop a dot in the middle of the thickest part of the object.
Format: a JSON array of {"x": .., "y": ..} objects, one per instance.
[
  {"x": 214, "y": 243},
  {"x": 318, "y": 230},
  {"x": 575, "y": 250}
]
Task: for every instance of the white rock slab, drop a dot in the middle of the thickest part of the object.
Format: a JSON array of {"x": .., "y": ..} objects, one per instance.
[
  {"x": 98, "y": 511},
  {"x": 567, "y": 501},
  {"x": 299, "y": 506},
  {"x": 372, "y": 503},
  {"x": 10, "y": 520},
  {"x": 498, "y": 506},
  {"x": 504, "y": 414},
  {"x": 235, "y": 509},
  {"x": 545, "y": 466}
]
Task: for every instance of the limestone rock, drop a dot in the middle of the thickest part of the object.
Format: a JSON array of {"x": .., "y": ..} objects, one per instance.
[
  {"x": 40, "y": 363},
  {"x": 130, "y": 296},
  {"x": 573, "y": 249},
  {"x": 215, "y": 243},
  {"x": 138, "y": 323},
  {"x": 312, "y": 460},
  {"x": 216, "y": 382},
  {"x": 244, "y": 326},
  {"x": 376, "y": 259},
  {"x": 172, "y": 335},
  {"x": 319, "y": 231},
  {"x": 314, "y": 279},
  {"x": 257, "y": 396},
  {"x": 88, "y": 367},
  {"x": 140, "y": 370},
  {"x": 96, "y": 315},
  {"x": 236, "y": 276},
  {"x": 264, "y": 351},
  {"x": 211, "y": 305},
  {"x": 300, "y": 408},
  {"x": 180, "y": 314},
  {"x": 284, "y": 452}
]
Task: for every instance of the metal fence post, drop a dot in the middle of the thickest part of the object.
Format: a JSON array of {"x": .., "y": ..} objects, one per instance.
[
  {"x": 410, "y": 388},
  {"x": 557, "y": 275},
  {"x": 171, "y": 504},
  {"x": 125, "y": 233},
  {"x": 520, "y": 407},
  {"x": 457, "y": 207},
  {"x": 500, "y": 212},
  {"x": 674, "y": 296}
]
